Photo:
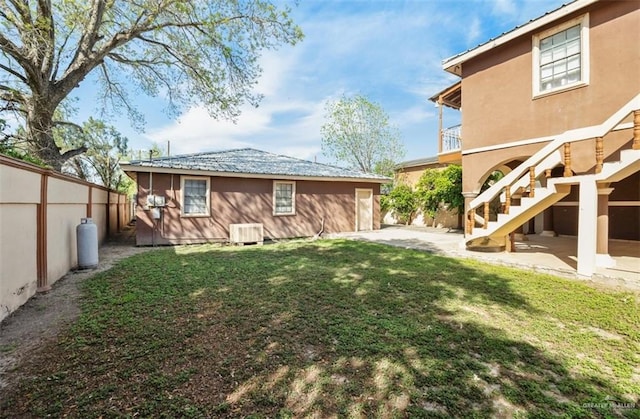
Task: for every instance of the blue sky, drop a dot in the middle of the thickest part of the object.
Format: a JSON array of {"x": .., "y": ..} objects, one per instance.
[{"x": 389, "y": 51}]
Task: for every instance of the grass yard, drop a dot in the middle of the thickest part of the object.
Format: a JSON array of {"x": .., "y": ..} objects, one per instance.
[{"x": 335, "y": 329}]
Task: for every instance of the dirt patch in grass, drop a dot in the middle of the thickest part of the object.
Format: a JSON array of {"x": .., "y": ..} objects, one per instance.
[{"x": 45, "y": 314}]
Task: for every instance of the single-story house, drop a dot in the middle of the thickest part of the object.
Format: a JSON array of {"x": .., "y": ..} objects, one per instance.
[{"x": 245, "y": 194}]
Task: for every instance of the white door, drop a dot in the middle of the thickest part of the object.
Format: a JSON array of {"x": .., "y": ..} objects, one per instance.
[{"x": 364, "y": 209}]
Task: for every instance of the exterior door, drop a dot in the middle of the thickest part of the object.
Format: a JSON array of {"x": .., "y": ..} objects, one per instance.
[{"x": 364, "y": 209}]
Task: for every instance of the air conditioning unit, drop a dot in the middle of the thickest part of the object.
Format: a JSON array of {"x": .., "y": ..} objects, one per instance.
[{"x": 246, "y": 233}]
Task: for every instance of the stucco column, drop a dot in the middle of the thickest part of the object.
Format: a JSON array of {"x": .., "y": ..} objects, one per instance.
[
  {"x": 548, "y": 229},
  {"x": 531, "y": 229},
  {"x": 518, "y": 233},
  {"x": 603, "y": 258},
  {"x": 587, "y": 225},
  {"x": 468, "y": 197}
]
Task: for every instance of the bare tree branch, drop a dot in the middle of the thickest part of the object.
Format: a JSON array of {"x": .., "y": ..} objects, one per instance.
[
  {"x": 12, "y": 95},
  {"x": 68, "y": 124},
  {"x": 22, "y": 7},
  {"x": 47, "y": 31},
  {"x": 72, "y": 153},
  {"x": 16, "y": 53},
  {"x": 14, "y": 73},
  {"x": 54, "y": 72}
]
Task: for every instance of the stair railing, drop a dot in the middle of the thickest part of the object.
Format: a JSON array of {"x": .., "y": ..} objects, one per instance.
[{"x": 557, "y": 151}]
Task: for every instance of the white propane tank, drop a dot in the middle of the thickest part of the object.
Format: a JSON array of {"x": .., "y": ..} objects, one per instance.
[{"x": 87, "y": 240}]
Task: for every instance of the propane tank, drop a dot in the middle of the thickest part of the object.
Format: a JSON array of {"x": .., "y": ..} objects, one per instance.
[{"x": 87, "y": 240}]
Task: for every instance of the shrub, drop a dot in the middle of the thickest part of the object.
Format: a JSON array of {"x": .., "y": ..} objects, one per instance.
[{"x": 403, "y": 201}]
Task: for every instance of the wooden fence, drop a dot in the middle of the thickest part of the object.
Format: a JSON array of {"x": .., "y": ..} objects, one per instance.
[{"x": 39, "y": 212}]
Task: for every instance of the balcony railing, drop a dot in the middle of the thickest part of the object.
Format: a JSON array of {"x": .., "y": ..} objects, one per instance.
[{"x": 451, "y": 139}]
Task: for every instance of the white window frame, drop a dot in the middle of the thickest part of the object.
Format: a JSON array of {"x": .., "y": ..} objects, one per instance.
[
  {"x": 293, "y": 197},
  {"x": 183, "y": 180},
  {"x": 583, "y": 21}
]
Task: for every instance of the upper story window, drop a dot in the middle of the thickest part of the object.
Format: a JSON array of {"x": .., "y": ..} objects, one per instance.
[
  {"x": 195, "y": 196},
  {"x": 284, "y": 198},
  {"x": 561, "y": 57}
]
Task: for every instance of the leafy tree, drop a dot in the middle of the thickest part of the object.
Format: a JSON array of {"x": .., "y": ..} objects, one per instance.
[
  {"x": 403, "y": 201},
  {"x": 143, "y": 154},
  {"x": 357, "y": 132},
  {"x": 188, "y": 51},
  {"x": 495, "y": 206},
  {"x": 9, "y": 146},
  {"x": 426, "y": 190},
  {"x": 440, "y": 186},
  {"x": 100, "y": 164}
]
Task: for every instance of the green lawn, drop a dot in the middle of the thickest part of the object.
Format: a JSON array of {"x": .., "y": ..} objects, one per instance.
[{"x": 335, "y": 328}]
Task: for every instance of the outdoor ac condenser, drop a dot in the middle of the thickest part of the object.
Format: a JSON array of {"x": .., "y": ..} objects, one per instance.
[{"x": 246, "y": 233}]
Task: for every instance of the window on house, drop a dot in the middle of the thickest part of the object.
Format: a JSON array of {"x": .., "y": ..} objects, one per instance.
[
  {"x": 561, "y": 57},
  {"x": 195, "y": 196},
  {"x": 284, "y": 194}
]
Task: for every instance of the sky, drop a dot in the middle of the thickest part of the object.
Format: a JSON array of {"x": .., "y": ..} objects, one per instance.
[{"x": 389, "y": 51}]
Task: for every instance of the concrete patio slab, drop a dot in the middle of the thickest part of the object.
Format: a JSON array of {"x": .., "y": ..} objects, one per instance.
[{"x": 554, "y": 255}]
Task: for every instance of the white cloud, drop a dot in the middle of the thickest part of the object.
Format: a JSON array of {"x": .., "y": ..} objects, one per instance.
[
  {"x": 298, "y": 135},
  {"x": 414, "y": 115},
  {"x": 504, "y": 7},
  {"x": 196, "y": 131},
  {"x": 474, "y": 31}
]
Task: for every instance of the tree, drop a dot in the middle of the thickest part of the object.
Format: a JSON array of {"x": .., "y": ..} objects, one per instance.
[
  {"x": 189, "y": 51},
  {"x": 441, "y": 186},
  {"x": 10, "y": 147},
  {"x": 154, "y": 151},
  {"x": 426, "y": 190},
  {"x": 105, "y": 148},
  {"x": 495, "y": 206},
  {"x": 403, "y": 201},
  {"x": 357, "y": 132}
]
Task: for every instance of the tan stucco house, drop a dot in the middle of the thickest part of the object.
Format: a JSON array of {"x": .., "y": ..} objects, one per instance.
[
  {"x": 248, "y": 195},
  {"x": 409, "y": 171},
  {"x": 555, "y": 105}
]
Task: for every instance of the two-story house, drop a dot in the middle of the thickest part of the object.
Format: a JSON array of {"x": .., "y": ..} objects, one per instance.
[{"x": 555, "y": 105}]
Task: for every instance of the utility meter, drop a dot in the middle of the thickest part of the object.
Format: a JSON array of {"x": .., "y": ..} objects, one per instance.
[{"x": 155, "y": 201}]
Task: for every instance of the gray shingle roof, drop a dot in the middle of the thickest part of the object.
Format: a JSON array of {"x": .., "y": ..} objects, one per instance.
[{"x": 251, "y": 161}]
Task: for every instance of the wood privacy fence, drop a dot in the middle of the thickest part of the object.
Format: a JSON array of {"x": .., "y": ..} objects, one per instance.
[{"x": 39, "y": 212}]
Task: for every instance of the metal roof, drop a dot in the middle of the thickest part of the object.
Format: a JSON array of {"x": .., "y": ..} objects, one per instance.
[
  {"x": 248, "y": 161},
  {"x": 417, "y": 162},
  {"x": 451, "y": 96}
]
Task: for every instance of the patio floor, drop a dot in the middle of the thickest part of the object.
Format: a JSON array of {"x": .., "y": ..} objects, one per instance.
[{"x": 555, "y": 255}]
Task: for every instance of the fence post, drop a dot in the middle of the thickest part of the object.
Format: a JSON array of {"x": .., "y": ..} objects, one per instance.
[{"x": 41, "y": 239}]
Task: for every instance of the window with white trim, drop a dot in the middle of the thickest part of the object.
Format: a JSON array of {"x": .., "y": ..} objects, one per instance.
[
  {"x": 284, "y": 198},
  {"x": 195, "y": 196},
  {"x": 561, "y": 57}
]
